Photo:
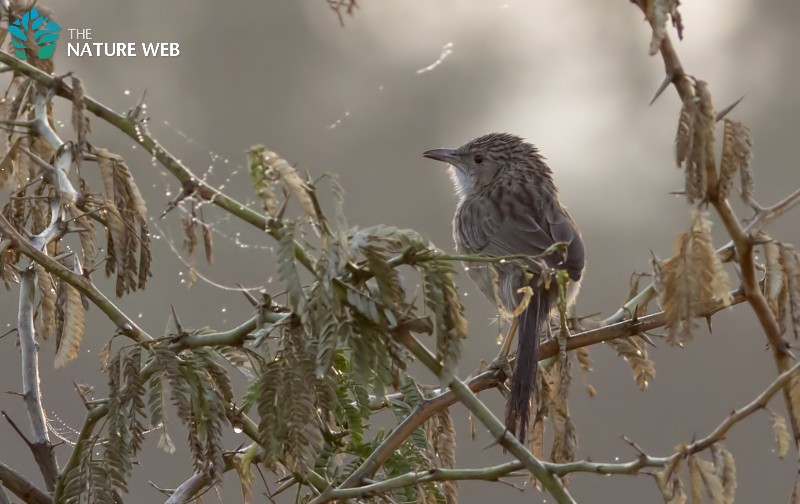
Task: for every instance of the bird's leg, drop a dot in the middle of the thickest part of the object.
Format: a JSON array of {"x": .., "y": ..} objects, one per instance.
[
  {"x": 501, "y": 361},
  {"x": 505, "y": 348}
]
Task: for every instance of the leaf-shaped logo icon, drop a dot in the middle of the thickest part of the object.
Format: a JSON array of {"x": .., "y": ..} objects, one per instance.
[{"x": 33, "y": 26}]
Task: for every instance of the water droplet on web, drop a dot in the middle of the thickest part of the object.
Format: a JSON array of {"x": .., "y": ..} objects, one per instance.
[
  {"x": 127, "y": 92},
  {"x": 237, "y": 428},
  {"x": 224, "y": 310}
]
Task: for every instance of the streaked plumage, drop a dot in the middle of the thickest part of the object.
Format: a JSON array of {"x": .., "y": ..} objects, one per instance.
[{"x": 509, "y": 205}]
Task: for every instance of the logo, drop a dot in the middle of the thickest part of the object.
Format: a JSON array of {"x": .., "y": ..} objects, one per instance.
[{"x": 43, "y": 31}]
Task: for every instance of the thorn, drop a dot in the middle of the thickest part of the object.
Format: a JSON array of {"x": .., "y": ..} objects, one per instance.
[
  {"x": 633, "y": 445},
  {"x": 8, "y": 332},
  {"x": 253, "y": 301},
  {"x": 722, "y": 113},
  {"x": 664, "y": 84},
  {"x": 496, "y": 441},
  {"x": 646, "y": 338},
  {"x": 708, "y": 321},
  {"x": 178, "y": 326}
]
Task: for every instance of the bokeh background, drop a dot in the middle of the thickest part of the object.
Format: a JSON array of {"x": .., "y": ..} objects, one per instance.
[{"x": 572, "y": 76}]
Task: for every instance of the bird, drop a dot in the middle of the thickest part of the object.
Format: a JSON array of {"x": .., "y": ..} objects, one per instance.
[{"x": 509, "y": 205}]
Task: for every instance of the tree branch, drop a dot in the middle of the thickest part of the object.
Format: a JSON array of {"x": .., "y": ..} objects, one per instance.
[
  {"x": 21, "y": 487},
  {"x": 126, "y": 325},
  {"x": 192, "y": 184},
  {"x": 493, "y": 473},
  {"x": 189, "y": 489},
  {"x": 39, "y": 443}
]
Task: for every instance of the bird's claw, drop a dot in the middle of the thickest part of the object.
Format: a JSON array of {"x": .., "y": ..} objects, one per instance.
[{"x": 501, "y": 363}]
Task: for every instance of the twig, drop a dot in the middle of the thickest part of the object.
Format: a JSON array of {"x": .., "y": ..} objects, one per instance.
[
  {"x": 39, "y": 443},
  {"x": 189, "y": 488}
]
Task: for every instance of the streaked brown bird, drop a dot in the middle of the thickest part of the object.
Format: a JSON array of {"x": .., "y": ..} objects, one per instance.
[{"x": 508, "y": 205}]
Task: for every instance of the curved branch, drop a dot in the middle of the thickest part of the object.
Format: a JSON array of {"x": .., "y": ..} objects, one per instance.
[{"x": 189, "y": 489}]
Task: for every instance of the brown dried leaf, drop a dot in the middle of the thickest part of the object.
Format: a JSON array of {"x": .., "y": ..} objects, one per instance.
[
  {"x": 692, "y": 279},
  {"x": 445, "y": 439},
  {"x": 729, "y": 164},
  {"x": 775, "y": 277},
  {"x": 189, "y": 234},
  {"x": 794, "y": 397},
  {"x": 72, "y": 331},
  {"x": 7, "y": 163},
  {"x": 565, "y": 437},
  {"x": 791, "y": 265},
  {"x": 743, "y": 147},
  {"x": 701, "y": 156},
  {"x": 23, "y": 170},
  {"x": 584, "y": 360},
  {"x": 669, "y": 483},
  {"x": 86, "y": 237},
  {"x": 726, "y": 470},
  {"x": 711, "y": 480},
  {"x": 683, "y": 137},
  {"x": 657, "y": 11},
  {"x": 47, "y": 297},
  {"x": 634, "y": 352},
  {"x": 444, "y": 443},
  {"x": 104, "y": 354},
  {"x": 298, "y": 187},
  {"x": 79, "y": 122},
  {"x": 782, "y": 437},
  {"x": 118, "y": 182},
  {"x": 208, "y": 243},
  {"x": 695, "y": 481}
]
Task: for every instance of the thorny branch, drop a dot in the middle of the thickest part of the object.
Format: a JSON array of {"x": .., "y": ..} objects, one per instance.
[
  {"x": 742, "y": 237},
  {"x": 633, "y": 467}
]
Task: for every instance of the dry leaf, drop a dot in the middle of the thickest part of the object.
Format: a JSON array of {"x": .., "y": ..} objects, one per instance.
[
  {"x": 782, "y": 437},
  {"x": 692, "y": 279},
  {"x": 72, "y": 331},
  {"x": 791, "y": 266},
  {"x": 47, "y": 299},
  {"x": 286, "y": 173}
]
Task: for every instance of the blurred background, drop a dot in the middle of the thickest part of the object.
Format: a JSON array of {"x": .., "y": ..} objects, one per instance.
[{"x": 403, "y": 76}]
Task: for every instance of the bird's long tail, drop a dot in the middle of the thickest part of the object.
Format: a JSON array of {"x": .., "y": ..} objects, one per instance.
[{"x": 532, "y": 323}]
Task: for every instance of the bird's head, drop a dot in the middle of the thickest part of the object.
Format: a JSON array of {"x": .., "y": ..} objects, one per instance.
[{"x": 479, "y": 162}]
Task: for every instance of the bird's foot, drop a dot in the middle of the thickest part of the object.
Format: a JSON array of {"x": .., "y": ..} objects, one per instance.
[{"x": 501, "y": 363}]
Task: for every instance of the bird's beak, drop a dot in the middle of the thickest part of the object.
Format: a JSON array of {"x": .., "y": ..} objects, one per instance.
[{"x": 443, "y": 155}]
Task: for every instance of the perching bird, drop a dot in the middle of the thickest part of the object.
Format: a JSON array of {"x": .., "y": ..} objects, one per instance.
[{"x": 509, "y": 205}]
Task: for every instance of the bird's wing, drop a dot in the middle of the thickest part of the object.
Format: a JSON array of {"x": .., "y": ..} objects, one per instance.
[{"x": 491, "y": 234}]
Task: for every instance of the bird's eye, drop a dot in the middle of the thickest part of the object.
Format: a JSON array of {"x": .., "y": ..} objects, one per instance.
[{"x": 478, "y": 159}]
